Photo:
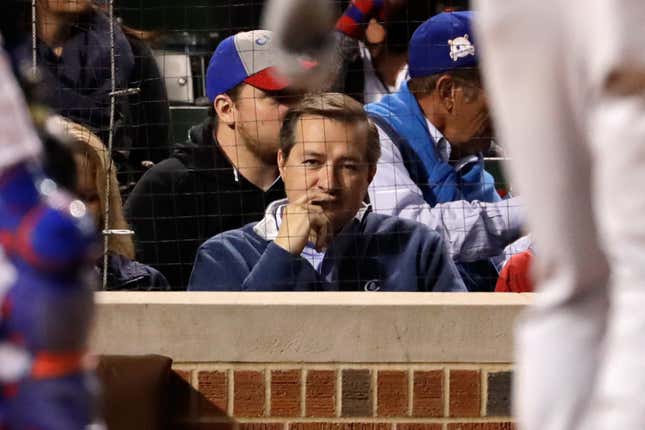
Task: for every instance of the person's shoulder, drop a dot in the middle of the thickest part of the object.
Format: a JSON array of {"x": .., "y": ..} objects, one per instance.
[
  {"x": 132, "y": 275},
  {"x": 139, "y": 47},
  {"x": 377, "y": 223},
  {"x": 164, "y": 172},
  {"x": 386, "y": 105},
  {"x": 236, "y": 239},
  {"x": 160, "y": 180},
  {"x": 170, "y": 164}
]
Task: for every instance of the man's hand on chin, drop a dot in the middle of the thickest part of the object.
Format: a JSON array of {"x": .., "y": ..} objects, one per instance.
[{"x": 305, "y": 221}]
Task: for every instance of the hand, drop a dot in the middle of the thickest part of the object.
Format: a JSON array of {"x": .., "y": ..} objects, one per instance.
[
  {"x": 476, "y": 145},
  {"x": 304, "y": 221},
  {"x": 480, "y": 142}
]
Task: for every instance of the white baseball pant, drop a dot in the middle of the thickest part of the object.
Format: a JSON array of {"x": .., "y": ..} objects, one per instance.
[{"x": 567, "y": 86}]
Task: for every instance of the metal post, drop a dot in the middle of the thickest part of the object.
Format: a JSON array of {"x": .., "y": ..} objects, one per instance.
[
  {"x": 113, "y": 95},
  {"x": 34, "y": 38}
]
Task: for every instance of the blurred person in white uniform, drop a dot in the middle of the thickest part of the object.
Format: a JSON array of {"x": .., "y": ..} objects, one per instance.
[{"x": 567, "y": 85}]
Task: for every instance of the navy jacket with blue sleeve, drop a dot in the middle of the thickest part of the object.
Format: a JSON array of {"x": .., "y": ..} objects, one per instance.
[{"x": 377, "y": 253}]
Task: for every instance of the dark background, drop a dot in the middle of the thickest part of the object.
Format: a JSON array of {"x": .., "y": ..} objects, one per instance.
[{"x": 230, "y": 16}]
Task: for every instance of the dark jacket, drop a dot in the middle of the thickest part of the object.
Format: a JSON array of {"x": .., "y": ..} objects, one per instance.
[
  {"x": 188, "y": 198},
  {"x": 127, "y": 275},
  {"x": 150, "y": 114},
  {"x": 78, "y": 84},
  {"x": 373, "y": 253}
]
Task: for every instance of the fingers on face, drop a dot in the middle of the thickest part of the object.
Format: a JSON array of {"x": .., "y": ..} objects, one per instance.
[{"x": 320, "y": 227}]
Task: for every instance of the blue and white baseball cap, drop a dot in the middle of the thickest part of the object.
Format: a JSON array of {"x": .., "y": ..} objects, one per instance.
[
  {"x": 444, "y": 42},
  {"x": 245, "y": 57}
]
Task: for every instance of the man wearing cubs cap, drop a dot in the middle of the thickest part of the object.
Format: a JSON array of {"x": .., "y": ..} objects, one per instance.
[
  {"x": 226, "y": 174},
  {"x": 441, "y": 112},
  {"x": 433, "y": 131}
]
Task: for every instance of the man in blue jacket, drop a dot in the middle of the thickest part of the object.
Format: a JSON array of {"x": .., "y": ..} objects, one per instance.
[
  {"x": 433, "y": 131},
  {"x": 323, "y": 237},
  {"x": 436, "y": 126}
]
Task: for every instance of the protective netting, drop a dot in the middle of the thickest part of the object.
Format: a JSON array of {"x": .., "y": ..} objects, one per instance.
[{"x": 134, "y": 73}]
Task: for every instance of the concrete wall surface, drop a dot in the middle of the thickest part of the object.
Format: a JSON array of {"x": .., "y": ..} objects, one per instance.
[{"x": 310, "y": 327}]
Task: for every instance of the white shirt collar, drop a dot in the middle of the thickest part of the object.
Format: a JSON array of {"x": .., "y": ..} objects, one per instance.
[
  {"x": 440, "y": 142},
  {"x": 268, "y": 227},
  {"x": 270, "y": 224}
]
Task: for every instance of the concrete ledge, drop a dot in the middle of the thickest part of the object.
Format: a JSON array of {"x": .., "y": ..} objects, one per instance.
[{"x": 310, "y": 327}]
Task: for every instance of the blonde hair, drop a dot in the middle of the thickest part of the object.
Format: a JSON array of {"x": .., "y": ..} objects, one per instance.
[{"x": 88, "y": 145}]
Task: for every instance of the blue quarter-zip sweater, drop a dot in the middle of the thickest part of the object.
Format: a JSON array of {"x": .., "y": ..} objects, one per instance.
[
  {"x": 373, "y": 253},
  {"x": 400, "y": 114}
]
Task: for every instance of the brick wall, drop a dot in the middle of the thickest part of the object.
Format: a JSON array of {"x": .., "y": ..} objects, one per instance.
[
  {"x": 323, "y": 361},
  {"x": 342, "y": 397}
]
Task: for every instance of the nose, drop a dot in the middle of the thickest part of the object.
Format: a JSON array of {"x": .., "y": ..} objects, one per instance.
[{"x": 328, "y": 178}]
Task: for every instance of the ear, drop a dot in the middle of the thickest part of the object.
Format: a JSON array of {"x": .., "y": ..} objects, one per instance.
[
  {"x": 225, "y": 109},
  {"x": 445, "y": 90},
  {"x": 281, "y": 162}
]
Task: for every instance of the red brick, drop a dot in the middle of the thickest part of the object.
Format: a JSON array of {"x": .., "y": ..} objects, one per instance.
[
  {"x": 213, "y": 387},
  {"x": 419, "y": 426},
  {"x": 427, "y": 399},
  {"x": 261, "y": 426},
  {"x": 392, "y": 393},
  {"x": 285, "y": 393},
  {"x": 465, "y": 393},
  {"x": 340, "y": 426},
  {"x": 482, "y": 426},
  {"x": 249, "y": 396},
  {"x": 320, "y": 393}
]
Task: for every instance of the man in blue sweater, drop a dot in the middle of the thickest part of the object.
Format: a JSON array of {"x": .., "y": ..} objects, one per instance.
[{"x": 323, "y": 237}]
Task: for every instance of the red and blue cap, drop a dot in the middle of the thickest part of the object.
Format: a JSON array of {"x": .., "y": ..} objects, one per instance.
[
  {"x": 245, "y": 57},
  {"x": 444, "y": 42}
]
